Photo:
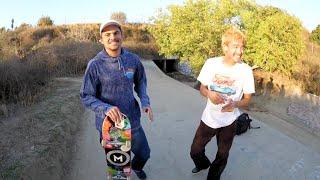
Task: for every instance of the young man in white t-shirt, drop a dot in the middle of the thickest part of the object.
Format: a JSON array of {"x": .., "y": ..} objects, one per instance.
[{"x": 228, "y": 83}]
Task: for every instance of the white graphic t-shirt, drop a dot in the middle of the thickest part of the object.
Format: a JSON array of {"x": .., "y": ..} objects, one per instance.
[{"x": 234, "y": 81}]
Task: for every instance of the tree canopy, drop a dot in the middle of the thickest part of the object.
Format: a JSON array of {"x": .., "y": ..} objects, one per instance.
[{"x": 193, "y": 32}]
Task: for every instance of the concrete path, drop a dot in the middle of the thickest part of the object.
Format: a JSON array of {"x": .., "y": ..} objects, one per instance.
[{"x": 263, "y": 153}]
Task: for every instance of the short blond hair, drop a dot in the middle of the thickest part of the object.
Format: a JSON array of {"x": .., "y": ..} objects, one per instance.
[{"x": 232, "y": 34}]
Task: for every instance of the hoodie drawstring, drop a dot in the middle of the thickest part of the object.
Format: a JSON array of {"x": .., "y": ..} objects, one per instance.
[
  {"x": 121, "y": 67},
  {"x": 119, "y": 63}
]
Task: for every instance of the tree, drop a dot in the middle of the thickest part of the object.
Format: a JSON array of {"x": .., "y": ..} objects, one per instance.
[
  {"x": 274, "y": 39},
  {"x": 315, "y": 35},
  {"x": 45, "y": 21},
  {"x": 193, "y": 32},
  {"x": 119, "y": 16},
  {"x": 185, "y": 32}
]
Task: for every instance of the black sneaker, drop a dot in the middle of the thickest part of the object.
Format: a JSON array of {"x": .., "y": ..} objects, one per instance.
[
  {"x": 141, "y": 174},
  {"x": 196, "y": 169}
]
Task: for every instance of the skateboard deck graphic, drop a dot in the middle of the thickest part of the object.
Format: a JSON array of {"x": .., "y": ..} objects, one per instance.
[{"x": 116, "y": 139}]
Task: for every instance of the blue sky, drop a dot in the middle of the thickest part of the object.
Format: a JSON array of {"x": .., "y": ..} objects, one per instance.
[{"x": 86, "y": 11}]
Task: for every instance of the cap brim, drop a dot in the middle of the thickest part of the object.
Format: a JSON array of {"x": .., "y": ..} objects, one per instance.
[{"x": 109, "y": 24}]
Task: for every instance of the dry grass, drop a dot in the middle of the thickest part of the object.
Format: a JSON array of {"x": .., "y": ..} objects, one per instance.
[
  {"x": 38, "y": 140},
  {"x": 140, "y": 41},
  {"x": 65, "y": 57},
  {"x": 32, "y": 56},
  {"x": 144, "y": 50},
  {"x": 81, "y": 32},
  {"x": 307, "y": 69},
  {"x": 21, "y": 80}
]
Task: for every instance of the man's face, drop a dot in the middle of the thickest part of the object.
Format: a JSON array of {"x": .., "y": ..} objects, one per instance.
[
  {"x": 111, "y": 38},
  {"x": 234, "y": 50}
]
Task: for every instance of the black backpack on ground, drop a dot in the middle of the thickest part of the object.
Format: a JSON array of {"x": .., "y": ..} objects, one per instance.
[{"x": 243, "y": 124}]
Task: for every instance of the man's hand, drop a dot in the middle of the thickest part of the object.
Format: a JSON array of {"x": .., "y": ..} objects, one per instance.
[
  {"x": 215, "y": 97},
  {"x": 114, "y": 114},
  {"x": 229, "y": 107},
  {"x": 243, "y": 104},
  {"x": 148, "y": 110}
]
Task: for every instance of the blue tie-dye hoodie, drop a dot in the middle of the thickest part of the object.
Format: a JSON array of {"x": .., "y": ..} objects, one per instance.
[{"x": 109, "y": 81}]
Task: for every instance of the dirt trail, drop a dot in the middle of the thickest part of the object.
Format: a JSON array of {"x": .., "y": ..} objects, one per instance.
[
  {"x": 37, "y": 141},
  {"x": 176, "y": 117}
]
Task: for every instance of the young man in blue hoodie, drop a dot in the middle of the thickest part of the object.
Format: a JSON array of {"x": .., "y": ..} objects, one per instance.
[{"x": 107, "y": 89}]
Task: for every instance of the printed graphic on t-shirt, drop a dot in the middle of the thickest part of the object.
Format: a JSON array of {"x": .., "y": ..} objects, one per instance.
[{"x": 223, "y": 84}]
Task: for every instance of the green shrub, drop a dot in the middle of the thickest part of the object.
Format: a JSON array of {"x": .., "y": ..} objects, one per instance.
[
  {"x": 193, "y": 33},
  {"x": 315, "y": 35}
]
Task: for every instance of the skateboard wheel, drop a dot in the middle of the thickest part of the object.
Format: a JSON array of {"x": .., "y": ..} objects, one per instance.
[
  {"x": 126, "y": 147},
  {"x": 103, "y": 143},
  {"x": 109, "y": 177}
]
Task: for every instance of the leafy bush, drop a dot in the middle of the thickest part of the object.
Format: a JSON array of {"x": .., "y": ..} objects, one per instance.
[
  {"x": 193, "y": 32},
  {"x": 274, "y": 39},
  {"x": 188, "y": 32},
  {"x": 315, "y": 35}
]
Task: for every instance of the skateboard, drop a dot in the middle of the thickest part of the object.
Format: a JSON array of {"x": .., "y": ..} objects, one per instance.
[{"x": 116, "y": 139}]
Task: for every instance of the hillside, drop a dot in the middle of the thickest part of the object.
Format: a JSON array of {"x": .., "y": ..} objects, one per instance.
[
  {"x": 31, "y": 56},
  {"x": 34, "y": 106}
]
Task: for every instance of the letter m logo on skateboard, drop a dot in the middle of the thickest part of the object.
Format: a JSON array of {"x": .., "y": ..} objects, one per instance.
[{"x": 118, "y": 158}]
